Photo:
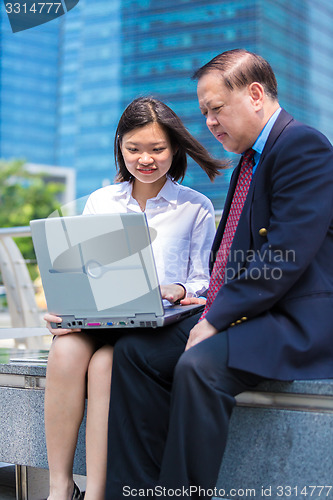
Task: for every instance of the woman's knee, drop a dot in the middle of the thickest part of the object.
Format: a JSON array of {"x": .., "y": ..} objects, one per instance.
[
  {"x": 101, "y": 362},
  {"x": 70, "y": 351}
]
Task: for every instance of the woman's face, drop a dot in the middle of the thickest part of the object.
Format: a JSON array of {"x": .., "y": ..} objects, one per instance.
[{"x": 147, "y": 153}]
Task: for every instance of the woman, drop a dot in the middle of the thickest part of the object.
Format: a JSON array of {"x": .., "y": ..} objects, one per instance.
[{"x": 151, "y": 147}]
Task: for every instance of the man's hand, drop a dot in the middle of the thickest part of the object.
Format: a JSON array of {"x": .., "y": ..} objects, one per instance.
[
  {"x": 202, "y": 330},
  {"x": 193, "y": 300}
]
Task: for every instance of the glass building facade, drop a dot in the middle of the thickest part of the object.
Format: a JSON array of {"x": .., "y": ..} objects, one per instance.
[
  {"x": 83, "y": 69},
  {"x": 29, "y": 81},
  {"x": 164, "y": 42},
  {"x": 89, "y": 91}
]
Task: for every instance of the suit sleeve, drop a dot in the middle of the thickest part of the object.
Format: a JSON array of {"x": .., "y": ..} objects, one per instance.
[{"x": 300, "y": 215}]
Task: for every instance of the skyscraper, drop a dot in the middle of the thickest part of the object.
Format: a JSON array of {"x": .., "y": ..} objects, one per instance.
[
  {"x": 89, "y": 102},
  {"x": 60, "y": 88},
  {"x": 165, "y": 41},
  {"x": 28, "y": 92},
  {"x": 102, "y": 54}
]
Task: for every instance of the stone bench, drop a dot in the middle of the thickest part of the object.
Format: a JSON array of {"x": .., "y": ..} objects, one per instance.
[
  {"x": 281, "y": 442},
  {"x": 22, "y": 435},
  {"x": 280, "y": 439}
]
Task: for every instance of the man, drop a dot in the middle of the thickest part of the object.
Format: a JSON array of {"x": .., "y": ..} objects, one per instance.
[{"x": 269, "y": 305}]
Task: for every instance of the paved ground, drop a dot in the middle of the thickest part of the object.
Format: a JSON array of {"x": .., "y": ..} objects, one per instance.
[
  {"x": 7, "y": 482},
  {"x": 8, "y": 489}
]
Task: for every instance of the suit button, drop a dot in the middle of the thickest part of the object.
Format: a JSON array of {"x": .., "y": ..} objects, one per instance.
[
  {"x": 244, "y": 318},
  {"x": 238, "y": 321},
  {"x": 232, "y": 324},
  {"x": 263, "y": 231}
]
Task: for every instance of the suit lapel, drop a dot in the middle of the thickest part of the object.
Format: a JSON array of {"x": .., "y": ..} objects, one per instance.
[
  {"x": 242, "y": 238},
  {"x": 282, "y": 121}
]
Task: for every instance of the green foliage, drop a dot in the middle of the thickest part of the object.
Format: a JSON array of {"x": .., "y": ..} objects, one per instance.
[{"x": 25, "y": 196}]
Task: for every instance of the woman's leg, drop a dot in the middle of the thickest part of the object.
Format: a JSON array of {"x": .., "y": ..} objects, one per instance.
[
  {"x": 65, "y": 393},
  {"x": 99, "y": 385}
]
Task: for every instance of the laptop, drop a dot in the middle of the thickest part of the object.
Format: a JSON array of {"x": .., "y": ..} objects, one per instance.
[{"x": 98, "y": 271}]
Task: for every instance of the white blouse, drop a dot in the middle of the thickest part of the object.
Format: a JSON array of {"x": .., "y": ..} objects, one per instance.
[{"x": 185, "y": 225}]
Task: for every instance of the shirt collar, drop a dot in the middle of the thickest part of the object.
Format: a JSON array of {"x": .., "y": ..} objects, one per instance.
[
  {"x": 123, "y": 190},
  {"x": 169, "y": 191},
  {"x": 259, "y": 145}
]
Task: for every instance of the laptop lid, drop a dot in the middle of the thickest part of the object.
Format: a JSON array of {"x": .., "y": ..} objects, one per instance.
[{"x": 99, "y": 271}]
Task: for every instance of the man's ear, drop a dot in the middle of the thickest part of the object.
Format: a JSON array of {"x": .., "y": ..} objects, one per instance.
[{"x": 257, "y": 94}]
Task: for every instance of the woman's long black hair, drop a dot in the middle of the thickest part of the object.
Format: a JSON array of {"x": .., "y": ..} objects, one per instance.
[{"x": 145, "y": 110}]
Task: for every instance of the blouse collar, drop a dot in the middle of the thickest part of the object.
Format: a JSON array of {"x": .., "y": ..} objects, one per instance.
[{"x": 169, "y": 191}]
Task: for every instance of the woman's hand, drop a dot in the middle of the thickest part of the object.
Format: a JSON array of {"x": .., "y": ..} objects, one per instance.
[
  {"x": 172, "y": 293},
  {"x": 51, "y": 318}
]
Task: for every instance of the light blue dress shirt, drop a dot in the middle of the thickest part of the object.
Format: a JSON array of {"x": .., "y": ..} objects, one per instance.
[{"x": 259, "y": 145}]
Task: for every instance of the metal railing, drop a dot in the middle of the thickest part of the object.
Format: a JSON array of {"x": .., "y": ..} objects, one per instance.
[
  {"x": 20, "y": 292},
  {"x": 15, "y": 232}
]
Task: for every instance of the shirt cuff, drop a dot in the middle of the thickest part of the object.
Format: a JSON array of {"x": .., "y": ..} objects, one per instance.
[{"x": 178, "y": 301}]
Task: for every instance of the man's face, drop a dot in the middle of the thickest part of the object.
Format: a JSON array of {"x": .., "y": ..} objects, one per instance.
[{"x": 231, "y": 115}]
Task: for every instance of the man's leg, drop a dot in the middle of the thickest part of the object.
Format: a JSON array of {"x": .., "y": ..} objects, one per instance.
[
  {"x": 202, "y": 401},
  {"x": 142, "y": 375}
]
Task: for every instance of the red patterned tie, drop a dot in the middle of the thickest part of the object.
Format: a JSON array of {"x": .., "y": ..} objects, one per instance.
[{"x": 237, "y": 204}]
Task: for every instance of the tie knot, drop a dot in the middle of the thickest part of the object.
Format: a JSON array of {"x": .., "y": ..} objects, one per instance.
[
  {"x": 248, "y": 159},
  {"x": 249, "y": 154}
]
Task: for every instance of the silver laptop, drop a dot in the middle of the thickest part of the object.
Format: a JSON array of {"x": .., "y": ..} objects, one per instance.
[{"x": 98, "y": 271}]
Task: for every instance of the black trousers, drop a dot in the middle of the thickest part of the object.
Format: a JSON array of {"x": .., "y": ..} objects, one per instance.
[{"x": 169, "y": 413}]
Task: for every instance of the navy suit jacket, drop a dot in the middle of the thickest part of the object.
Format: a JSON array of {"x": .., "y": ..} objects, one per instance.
[{"x": 277, "y": 300}]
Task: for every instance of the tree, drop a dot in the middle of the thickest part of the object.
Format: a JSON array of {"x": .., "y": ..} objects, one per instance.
[{"x": 25, "y": 196}]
